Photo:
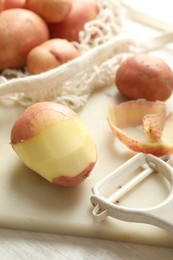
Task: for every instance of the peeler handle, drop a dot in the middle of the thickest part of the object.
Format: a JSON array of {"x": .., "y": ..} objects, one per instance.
[{"x": 160, "y": 215}]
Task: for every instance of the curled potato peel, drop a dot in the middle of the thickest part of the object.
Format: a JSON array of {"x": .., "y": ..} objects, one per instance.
[
  {"x": 153, "y": 125},
  {"x": 150, "y": 119}
]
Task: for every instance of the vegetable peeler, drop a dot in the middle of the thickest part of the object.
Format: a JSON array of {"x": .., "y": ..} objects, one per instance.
[{"x": 160, "y": 215}]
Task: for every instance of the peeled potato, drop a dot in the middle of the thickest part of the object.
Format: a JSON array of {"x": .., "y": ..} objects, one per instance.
[
  {"x": 145, "y": 76},
  {"x": 49, "y": 55},
  {"x": 20, "y": 31},
  {"x": 52, "y": 140}
]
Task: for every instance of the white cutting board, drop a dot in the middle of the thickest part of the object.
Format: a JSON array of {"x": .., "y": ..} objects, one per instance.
[{"x": 29, "y": 202}]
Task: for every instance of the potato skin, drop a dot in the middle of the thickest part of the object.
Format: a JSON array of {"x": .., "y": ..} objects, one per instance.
[
  {"x": 1, "y": 5},
  {"x": 9, "y": 4},
  {"x": 145, "y": 76},
  {"x": 82, "y": 12},
  {"x": 50, "y": 54},
  {"x": 20, "y": 31},
  {"x": 50, "y": 11},
  {"x": 32, "y": 121}
]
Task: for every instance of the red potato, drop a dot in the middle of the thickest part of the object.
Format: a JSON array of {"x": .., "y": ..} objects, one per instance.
[
  {"x": 9, "y": 4},
  {"x": 50, "y": 11},
  {"x": 82, "y": 12},
  {"x": 1, "y": 5},
  {"x": 145, "y": 76},
  {"x": 52, "y": 141},
  {"x": 49, "y": 55},
  {"x": 20, "y": 31}
]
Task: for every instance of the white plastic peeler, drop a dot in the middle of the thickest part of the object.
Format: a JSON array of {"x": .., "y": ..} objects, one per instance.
[{"x": 160, "y": 215}]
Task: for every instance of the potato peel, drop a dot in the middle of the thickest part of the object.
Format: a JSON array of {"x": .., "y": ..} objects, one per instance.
[
  {"x": 153, "y": 125},
  {"x": 150, "y": 115}
]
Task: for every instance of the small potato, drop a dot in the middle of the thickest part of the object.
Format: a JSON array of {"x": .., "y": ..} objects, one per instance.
[
  {"x": 49, "y": 55},
  {"x": 20, "y": 31},
  {"x": 50, "y": 11},
  {"x": 82, "y": 12},
  {"x": 1, "y": 5},
  {"x": 9, "y": 4},
  {"x": 145, "y": 76}
]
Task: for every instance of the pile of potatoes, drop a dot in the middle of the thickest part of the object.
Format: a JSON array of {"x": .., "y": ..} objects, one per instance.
[{"x": 38, "y": 34}]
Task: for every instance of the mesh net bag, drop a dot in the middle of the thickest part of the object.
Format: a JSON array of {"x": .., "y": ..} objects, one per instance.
[{"x": 72, "y": 83}]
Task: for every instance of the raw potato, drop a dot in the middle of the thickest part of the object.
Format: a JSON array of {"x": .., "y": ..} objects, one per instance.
[
  {"x": 1, "y": 5},
  {"x": 145, "y": 76},
  {"x": 49, "y": 55},
  {"x": 20, "y": 31},
  {"x": 50, "y": 11},
  {"x": 82, "y": 12},
  {"x": 8, "y": 4},
  {"x": 52, "y": 141}
]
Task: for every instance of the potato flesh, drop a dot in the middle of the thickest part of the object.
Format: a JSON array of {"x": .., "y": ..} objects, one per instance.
[{"x": 62, "y": 149}]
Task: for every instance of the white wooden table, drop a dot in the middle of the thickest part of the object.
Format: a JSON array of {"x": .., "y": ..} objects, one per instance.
[{"x": 29, "y": 245}]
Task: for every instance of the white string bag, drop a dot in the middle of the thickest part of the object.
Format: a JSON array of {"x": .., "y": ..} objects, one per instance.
[{"x": 72, "y": 83}]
